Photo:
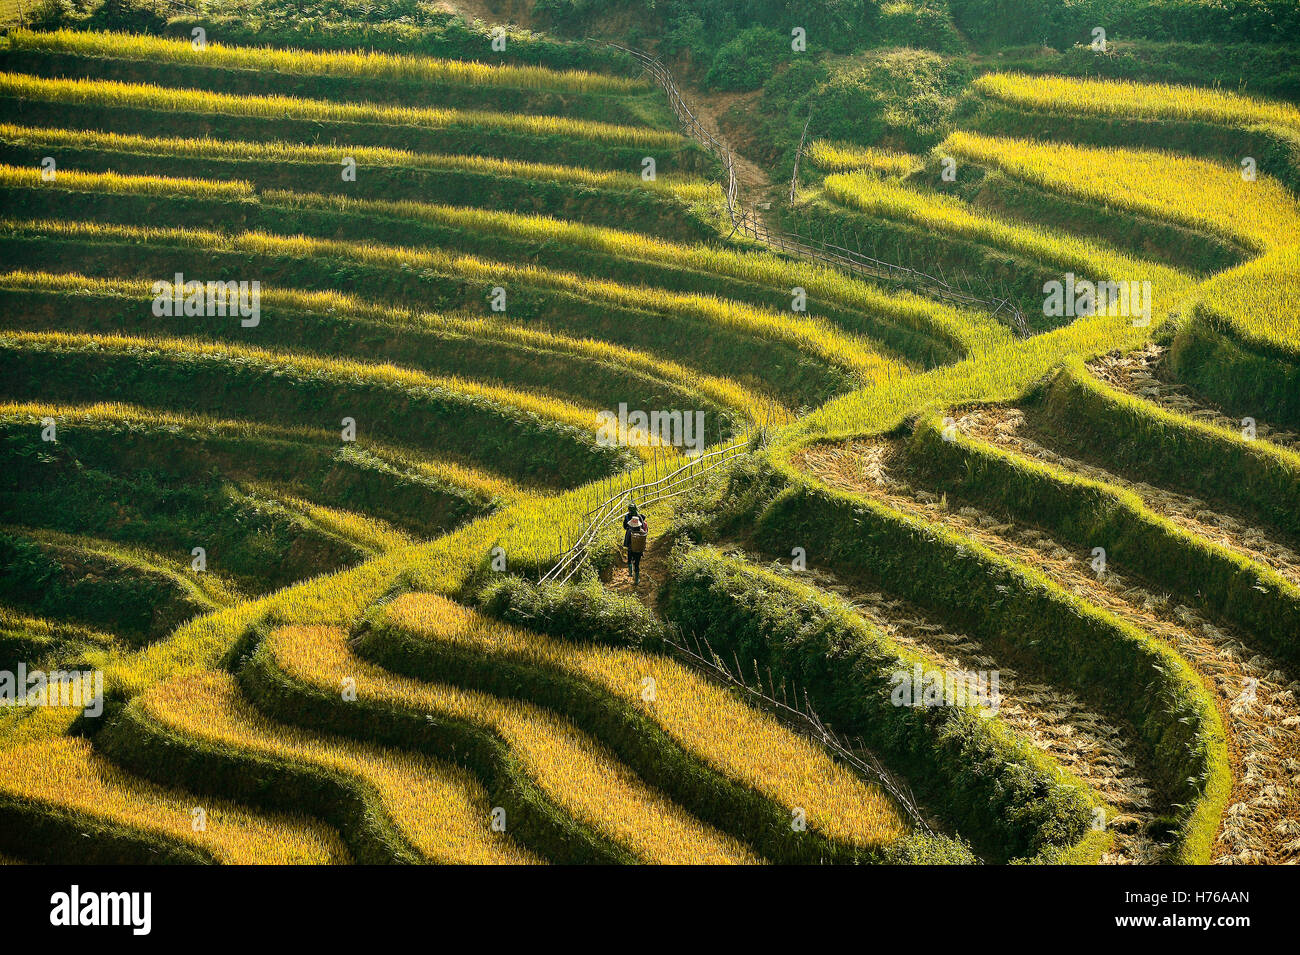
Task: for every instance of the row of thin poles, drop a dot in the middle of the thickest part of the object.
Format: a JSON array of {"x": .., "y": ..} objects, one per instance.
[
  {"x": 792, "y": 704},
  {"x": 661, "y": 484},
  {"x": 747, "y": 223}
]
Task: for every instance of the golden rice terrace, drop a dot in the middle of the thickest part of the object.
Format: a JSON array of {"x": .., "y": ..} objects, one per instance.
[{"x": 338, "y": 368}]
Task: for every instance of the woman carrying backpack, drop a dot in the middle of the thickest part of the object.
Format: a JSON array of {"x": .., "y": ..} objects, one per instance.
[{"x": 636, "y": 531}]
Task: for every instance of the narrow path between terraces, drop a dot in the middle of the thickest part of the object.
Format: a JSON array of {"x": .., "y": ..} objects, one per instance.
[
  {"x": 654, "y": 572},
  {"x": 1255, "y": 696}
]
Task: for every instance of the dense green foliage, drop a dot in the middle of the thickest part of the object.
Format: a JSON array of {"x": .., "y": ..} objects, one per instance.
[
  {"x": 904, "y": 96},
  {"x": 579, "y": 612},
  {"x": 1060, "y": 24},
  {"x": 746, "y": 61}
]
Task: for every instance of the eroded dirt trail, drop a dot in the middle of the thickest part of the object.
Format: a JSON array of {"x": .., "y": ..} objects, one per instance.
[
  {"x": 1256, "y": 698},
  {"x": 654, "y": 571},
  {"x": 709, "y": 109}
]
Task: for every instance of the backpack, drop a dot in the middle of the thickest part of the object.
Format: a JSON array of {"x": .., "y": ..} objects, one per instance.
[{"x": 637, "y": 541}]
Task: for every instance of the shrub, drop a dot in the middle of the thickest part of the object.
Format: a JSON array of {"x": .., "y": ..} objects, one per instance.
[
  {"x": 992, "y": 22},
  {"x": 793, "y": 91},
  {"x": 907, "y": 96},
  {"x": 925, "y": 24},
  {"x": 49, "y": 15},
  {"x": 129, "y": 16},
  {"x": 922, "y": 849},
  {"x": 747, "y": 60},
  {"x": 582, "y": 613}
]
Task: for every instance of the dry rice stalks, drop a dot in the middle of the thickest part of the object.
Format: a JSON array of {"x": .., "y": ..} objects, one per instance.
[
  {"x": 1143, "y": 374},
  {"x": 1008, "y": 428},
  {"x": 1256, "y": 699}
]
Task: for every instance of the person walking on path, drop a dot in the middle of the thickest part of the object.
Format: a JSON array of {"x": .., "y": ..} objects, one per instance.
[{"x": 636, "y": 531}]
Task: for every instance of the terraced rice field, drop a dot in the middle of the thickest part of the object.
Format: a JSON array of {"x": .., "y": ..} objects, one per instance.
[{"x": 309, "y": 362}]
